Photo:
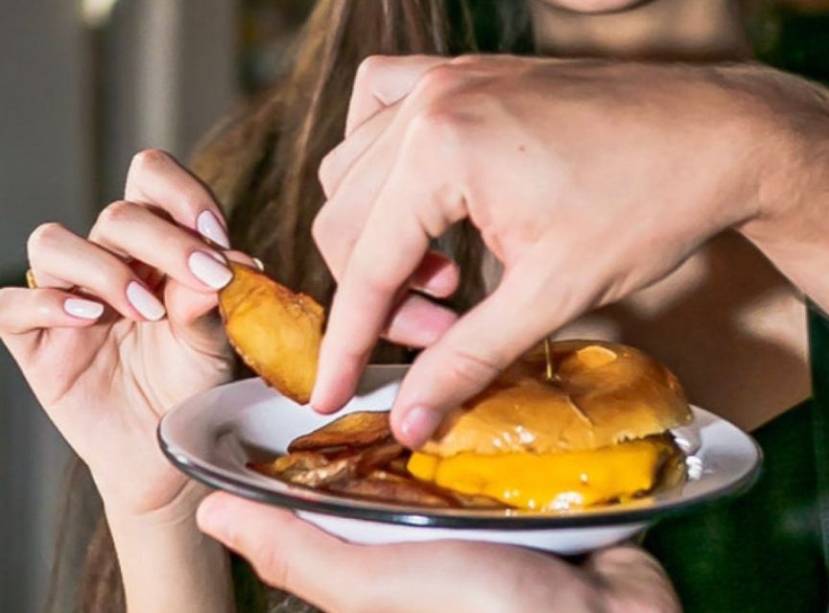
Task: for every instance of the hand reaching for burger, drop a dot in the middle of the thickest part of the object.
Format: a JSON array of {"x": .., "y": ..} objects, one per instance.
[
  {"x": 290, "y": 554},
  {"x": 588, "y": 181}
]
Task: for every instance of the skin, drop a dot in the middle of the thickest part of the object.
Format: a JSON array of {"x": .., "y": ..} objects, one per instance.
[
  {"x": 692, "y": 30},
  {"x": 727, "y": 301},
  {"x": 414, "y": 577},
  {"x": 106, "y": 381},
  {"x": 433, "y": 139}
]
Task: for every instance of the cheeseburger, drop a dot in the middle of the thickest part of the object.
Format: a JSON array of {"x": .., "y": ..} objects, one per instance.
[
  {"x": 579, "y": 424},
  {"x": 584, "y": 425}
]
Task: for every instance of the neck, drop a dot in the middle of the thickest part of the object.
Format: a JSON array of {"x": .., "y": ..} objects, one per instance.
[{"x": 680, "y": 30}]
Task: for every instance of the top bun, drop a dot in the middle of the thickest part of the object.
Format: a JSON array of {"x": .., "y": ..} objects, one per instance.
[{"x": 601, "y": 394}]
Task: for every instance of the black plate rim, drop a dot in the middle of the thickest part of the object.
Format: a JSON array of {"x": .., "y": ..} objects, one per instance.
[{"x": 408, "y": 516}]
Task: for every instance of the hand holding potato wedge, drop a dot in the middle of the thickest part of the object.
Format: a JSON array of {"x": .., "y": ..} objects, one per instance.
[{"x": 122, "y": 325}]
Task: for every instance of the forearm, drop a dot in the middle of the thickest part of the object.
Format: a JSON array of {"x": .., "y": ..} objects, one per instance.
[
  {"x": 792, "y": 227},
  {"x": 167, "y": 564}
]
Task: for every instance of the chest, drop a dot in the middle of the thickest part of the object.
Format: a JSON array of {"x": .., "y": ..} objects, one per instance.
[{"x": 731, "y": 327}]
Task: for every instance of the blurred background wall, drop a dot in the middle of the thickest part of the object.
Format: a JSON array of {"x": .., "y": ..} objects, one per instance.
[
  {"x": 45, "y": 171},
  {"x": 86, "y": 83},
  {"x": 82, "y": 89}
]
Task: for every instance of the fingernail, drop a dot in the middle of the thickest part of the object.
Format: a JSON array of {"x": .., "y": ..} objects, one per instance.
[
  {"x": 84, "y": 309},
  {"x": 209, "y": 227},
  {"x": 258, "y": 263},
  {"x": 208, "y": 270},
  {"x": 210, "y": 515},
  {"x": 417, "y": 425},
  {"x": 314, "y": 402},
  {"x": 144, "y": 302}
]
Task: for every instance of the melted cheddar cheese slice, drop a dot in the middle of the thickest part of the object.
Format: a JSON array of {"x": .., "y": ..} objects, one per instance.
[{"x": 544, "y": 482}]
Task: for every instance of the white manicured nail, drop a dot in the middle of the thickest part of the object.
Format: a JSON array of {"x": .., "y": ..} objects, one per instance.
[
  {"x": 84, "y": 309},
  {"x": 144, "y": 302},
  {"x": 209, "y": 227},
  {"x": 258, "y": 263},
  {"x": 207, "y": 270}
]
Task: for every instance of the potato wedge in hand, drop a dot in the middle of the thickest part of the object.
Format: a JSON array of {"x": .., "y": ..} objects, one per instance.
[{"x": 275, "y": 331}]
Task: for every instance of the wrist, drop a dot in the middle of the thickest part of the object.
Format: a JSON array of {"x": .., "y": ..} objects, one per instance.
[
  {"x": 177, "y": 509},
  {"x": 788, "y": 152},
  {"x": 791, "y": 225},
  {"x": 166, "y": 542}
]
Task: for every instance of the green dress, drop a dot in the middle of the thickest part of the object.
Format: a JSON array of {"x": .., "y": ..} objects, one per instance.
[{"x": 765, "y": 551}]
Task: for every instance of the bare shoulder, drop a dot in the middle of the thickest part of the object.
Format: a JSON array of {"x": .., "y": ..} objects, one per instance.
[{"x": 728, "y": 323}]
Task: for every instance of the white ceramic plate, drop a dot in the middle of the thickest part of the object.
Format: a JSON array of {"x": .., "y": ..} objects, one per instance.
[{"x": 213, "y": 436}]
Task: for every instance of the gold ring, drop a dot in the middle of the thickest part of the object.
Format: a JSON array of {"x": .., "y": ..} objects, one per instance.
[{"x": 30, "y": 279}]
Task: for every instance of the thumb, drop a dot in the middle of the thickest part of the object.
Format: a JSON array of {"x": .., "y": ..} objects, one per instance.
[
  {"x": 630, "y": 575},
  {"x": 193, "y": 313},
  {"x": 185, "y": 305},
  {"x": 472, "y": 352},
  {"x": 287, "y": 552}
]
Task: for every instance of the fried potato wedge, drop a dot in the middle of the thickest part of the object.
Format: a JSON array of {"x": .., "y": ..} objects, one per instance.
[
  {"x": 357, "y": 456},
  {"x": 388, "y": 487},
  {"x": 379, "y": 455},
  {"x": 309, "y": 468},
  {"x": 398, "y": 466},
  {"x": 475, "y": 502},
  {"x": 354, "y": 430},
  {"x": 287, "y": 466},
  {"x": 321, "y": 467},
  {"x": 275, "y": 331},
  {"x": 351, "y": 475}
]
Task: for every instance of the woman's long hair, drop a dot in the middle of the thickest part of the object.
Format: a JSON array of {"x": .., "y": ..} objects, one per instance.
[{"x": 262, "y": 166}]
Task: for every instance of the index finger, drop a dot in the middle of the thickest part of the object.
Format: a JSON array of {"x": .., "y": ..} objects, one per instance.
[
  {"x": 385, "y": 255},
  {"x": 384, "y": 258},
  {"x": 382, "y": 81},
  {"x": 293, "y": 555},
  {"x": 285, "y": 551},
  {"x": 157, "y": 179}
]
